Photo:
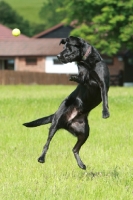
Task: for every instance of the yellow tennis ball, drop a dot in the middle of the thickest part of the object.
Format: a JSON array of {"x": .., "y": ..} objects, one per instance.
[{"x": 16, "y": 32}]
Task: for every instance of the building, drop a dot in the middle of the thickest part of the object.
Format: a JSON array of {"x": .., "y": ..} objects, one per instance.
[
  {"x": 58, "y": 31},
  {"x": 29, "y": 54},
  {"x": 38, "y": 54}
]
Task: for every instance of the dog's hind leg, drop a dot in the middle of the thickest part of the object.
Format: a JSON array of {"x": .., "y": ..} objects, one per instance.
[
  {"x": 52, "y": 131},
  {"x": 56, "y": 120},
  {"x": 80, "y": 142},
  {"x": 82, "y": 132}
]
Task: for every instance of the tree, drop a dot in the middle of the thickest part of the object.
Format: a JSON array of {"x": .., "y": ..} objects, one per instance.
[
  {"x": 12, "y": 19},
  {"x": 107, "y": 24},
  {"x": 50, "y": 13}
]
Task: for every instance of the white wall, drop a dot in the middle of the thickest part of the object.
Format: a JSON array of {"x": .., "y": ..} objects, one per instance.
[{"x": 50, "y": 67}]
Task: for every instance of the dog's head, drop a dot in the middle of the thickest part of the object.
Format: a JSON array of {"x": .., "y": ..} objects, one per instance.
[{"x": 75, "y": 49}]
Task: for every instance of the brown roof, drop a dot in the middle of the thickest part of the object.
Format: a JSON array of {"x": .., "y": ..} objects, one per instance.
[
  {"x": 6, "y": 34},
  {"x": 48, "y": 30},
  {"x": 30, "y": 47}
]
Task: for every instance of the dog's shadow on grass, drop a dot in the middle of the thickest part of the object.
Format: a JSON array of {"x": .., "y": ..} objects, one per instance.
[{"x": 89, "y": 175}]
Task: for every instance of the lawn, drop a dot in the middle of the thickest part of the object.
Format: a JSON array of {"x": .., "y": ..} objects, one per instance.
[
  {"x": 108, "y": 153},
  {"x": 29, "y": 9}
]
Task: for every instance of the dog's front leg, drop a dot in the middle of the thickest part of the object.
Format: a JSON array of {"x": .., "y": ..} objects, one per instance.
[
  {"x": 74, "y": 78},
  {"x": 104, "y": 96},
  {"x": 80, "y": 78},
  {"x": 105, "y": 112},
  {"x": 101, "y": 82}
]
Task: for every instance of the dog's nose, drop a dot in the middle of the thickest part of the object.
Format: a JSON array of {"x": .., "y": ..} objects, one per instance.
[{"x": 58, "y": 56}]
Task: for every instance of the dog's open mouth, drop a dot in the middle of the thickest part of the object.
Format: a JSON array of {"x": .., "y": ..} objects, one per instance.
[{"x": 65, "y": 60}]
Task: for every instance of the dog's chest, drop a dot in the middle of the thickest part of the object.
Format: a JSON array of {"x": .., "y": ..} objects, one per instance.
[{"x": 71, "y": 115}]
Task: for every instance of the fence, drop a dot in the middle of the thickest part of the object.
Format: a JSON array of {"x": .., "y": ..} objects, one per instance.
[
  {"x": 16, "y": 77},
  {"x": 8, "y": 77}
]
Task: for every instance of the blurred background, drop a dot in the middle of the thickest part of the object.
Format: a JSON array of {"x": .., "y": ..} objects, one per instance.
[
  {"x": 106, "y": 24},
  {"x": 32, "y": 85}
]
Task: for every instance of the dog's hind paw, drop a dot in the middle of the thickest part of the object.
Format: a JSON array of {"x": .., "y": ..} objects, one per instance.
[
  {"x": 82, "y": 166},
  {"x": 41, "y": 160}
]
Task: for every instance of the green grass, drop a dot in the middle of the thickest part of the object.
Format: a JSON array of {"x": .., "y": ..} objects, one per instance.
[
  {"x": 29, "y": 9},
  {"x": 108, "y": 153}
]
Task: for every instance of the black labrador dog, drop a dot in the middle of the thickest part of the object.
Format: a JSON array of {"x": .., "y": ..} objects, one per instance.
[
  {"x": 76, "y": 49},
  {"x": 72, "y": 114}
]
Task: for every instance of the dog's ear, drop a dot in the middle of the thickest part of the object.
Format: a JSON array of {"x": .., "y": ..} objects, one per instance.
[
  {"x": 63, "y": 41},
  {"x": 76, "y": 41}
]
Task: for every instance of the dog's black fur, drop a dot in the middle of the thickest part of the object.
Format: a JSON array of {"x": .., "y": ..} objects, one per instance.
[
  {"x": 72, "y": 115},
  {"x": 76, "y": 49}
]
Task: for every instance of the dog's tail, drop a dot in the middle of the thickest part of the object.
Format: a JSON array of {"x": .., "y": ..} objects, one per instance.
[{"x": 39, "y": 122}]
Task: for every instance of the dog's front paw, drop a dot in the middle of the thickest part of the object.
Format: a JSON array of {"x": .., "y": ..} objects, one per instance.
[
  {"x": 76, "y": 78},
  {"x": 105, "y": 114}
]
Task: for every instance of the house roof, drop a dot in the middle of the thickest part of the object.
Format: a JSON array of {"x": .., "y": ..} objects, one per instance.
[
  {"x": 48, "y": 30},
  {"x": 6, "y": 34},
  {"x": 30, "y": 47},
  {"x": 57, "y": 31}
]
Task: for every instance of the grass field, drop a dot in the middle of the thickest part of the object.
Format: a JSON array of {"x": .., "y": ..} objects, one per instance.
[
  {"x": 28, "y": 9},
  {"x": 108, "y": 153}
]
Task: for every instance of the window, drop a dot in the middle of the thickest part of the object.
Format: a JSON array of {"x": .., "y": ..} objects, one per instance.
[
  {"x": 108, "y": 60},
  {"x": 130, "y": 61},
  {"x": 9, "y": 64},
  {"x": 1, "y": 64},
  {"x": 52, "y": 65},
  {"x": 31, "y": 61}
]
